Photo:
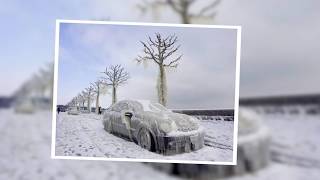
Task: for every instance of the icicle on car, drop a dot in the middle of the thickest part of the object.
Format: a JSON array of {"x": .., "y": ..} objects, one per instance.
[{"x": 154, "y": 127}]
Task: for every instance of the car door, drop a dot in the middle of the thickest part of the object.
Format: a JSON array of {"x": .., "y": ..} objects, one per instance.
[
  {"x": 125, "y": 122},
  {"x": 119, "y": 121},
  {"x": 115, "y": 119}
]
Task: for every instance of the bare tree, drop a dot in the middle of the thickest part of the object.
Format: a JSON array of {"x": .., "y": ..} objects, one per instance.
[
  {"x": 184, "y": 8},
  {"x": 37, "y": 86},
  {"x": 115, "y": 76},
  {"x": 97, "y": 89},
  {"x": 161, "y": 52},
  {"x": 76, "y": 101},
  {"x": 47, "y": 78},
  {"x": 73, "y": 102},
  {"x": 89, "y": 94},
  {"x": 82, "y": 98}
]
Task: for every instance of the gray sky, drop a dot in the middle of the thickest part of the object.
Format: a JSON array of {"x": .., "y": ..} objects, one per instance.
[
  {"x": 207, "y": 68},
  {"x": 280, "y": 42}
]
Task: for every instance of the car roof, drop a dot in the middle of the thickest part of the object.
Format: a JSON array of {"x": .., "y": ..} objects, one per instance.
[{"x": 144, "y": 103}]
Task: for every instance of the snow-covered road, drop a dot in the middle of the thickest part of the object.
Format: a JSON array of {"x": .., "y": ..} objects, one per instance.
[{"x": 83, "y": 135}]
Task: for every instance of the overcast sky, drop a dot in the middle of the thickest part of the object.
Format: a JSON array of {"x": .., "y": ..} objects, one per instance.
[
  {"x": 280, "y": 42},
  {"x": 205, "y": 77}
]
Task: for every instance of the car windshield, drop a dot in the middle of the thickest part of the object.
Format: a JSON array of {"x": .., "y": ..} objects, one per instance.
[
  {"x": 135, "y": 106},
  {"x": 127, "y": 106},
  {"x": 156, "y": 107}
]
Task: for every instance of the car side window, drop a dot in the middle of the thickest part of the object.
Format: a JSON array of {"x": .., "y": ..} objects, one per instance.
[
  {"x": 120, "y": 107},
  {"x": 135, "y": 107},
  {"x": 116, "y": 108},
  {"x": 125, "y": 106}
]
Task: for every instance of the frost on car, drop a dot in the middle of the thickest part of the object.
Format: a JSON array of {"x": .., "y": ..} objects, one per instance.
[
  {"x": 154, "y": 127},
  {"x": 73, "y": 111}
]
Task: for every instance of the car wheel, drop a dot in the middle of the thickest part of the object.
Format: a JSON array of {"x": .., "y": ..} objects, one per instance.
[{"x": 145, "y": 139}]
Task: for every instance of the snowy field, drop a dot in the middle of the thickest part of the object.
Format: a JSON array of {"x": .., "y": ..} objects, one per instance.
[
  {"x": 295, "y": 149},
  {"x": 83, "y": 135},
  {"x": 295, "y": 139},
  {"x": 25, "y": 154},
  {"x": 26, "y": 140}
]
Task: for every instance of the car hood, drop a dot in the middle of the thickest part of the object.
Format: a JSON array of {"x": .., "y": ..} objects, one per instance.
[{"x": 183, "y": 122}]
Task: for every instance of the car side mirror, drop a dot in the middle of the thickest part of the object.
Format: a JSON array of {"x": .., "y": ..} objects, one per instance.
[{"x": 128, "y": 114}]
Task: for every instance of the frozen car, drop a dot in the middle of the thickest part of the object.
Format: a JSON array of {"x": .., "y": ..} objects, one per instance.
[
  {"x": 154, "y": 127},
  {"x": 73, "y": 111}
]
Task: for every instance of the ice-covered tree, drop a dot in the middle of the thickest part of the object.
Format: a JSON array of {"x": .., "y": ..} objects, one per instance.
[
  {"x": 37, "y": 86},
  {"x": 162, "y": 52},
  {"x": 44, "y": 81},
  {"x": 73, "y": 102},
  {"x": 79, "y": 100},
  {"x": 89, "y": 95},
  {"x": 47, "y": 75},
  {"x": 115, "y": 76},
  {"x": 187, "y": 10},
  {"x": 97, "y": 90},
  {"x": 82, "y": 98}
]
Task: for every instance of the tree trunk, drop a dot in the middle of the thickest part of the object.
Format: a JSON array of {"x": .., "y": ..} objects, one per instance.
[
  {"x": 162, "y": 86},
  {"x": 114, "y": 94},
  {"x": 51, "y": 92},
  {"x": 51, "y": 87},
  {"x": 184, "y": 14},
  {"x": 89, "y": 104},
  {"x": 185, "y": 18},
  {"x": 97, "y": 102}
]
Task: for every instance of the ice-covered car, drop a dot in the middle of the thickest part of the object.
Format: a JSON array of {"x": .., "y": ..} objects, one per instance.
[
  {"x": 154, "y": 127},
  {"x": 73, "y": 111}
]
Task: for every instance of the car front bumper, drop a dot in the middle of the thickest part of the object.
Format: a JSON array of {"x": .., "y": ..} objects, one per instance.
[{"x": 169, "y": 145}]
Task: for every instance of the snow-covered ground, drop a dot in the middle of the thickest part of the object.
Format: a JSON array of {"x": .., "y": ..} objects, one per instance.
[
  {"x": 83, "y": 135},
  {"x": 25, "y": 154},
  {"x": 26, "y": 140},
  {"x": 295, "y": 139},
  {"x": 295, "y": 148},
  {"x": 276, "y": 171}
]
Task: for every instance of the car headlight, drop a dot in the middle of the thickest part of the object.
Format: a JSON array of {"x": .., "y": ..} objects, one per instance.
[
  {"x": 195, "y": 122},
  {"x": 168, "y": 126}
]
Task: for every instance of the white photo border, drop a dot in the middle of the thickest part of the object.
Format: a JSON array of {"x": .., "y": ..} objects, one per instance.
[{"x": 54, "y": 102}]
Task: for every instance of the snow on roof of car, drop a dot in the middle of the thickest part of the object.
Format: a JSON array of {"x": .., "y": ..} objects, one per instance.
[
  {"x": 152, "y": 106},
  {"x": 145, "y": 104}
]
